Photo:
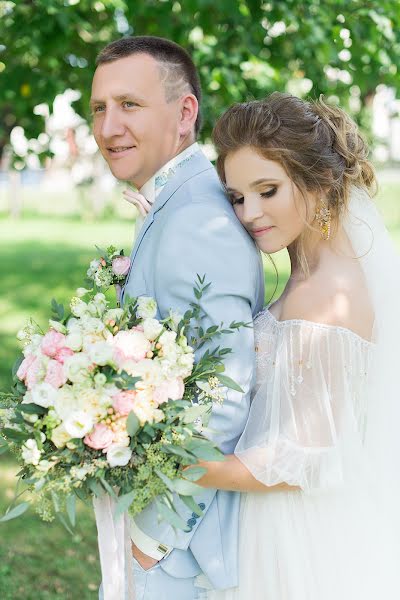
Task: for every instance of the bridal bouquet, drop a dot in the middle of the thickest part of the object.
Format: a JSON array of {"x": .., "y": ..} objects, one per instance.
[{"x": 110, "y": 401}]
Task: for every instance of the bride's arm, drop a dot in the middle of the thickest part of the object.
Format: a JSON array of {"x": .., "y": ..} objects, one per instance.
[{"x": 231, "y": 474}]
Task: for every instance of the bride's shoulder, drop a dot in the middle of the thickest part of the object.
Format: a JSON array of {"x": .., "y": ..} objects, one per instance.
[{"x": 336, "y": 302}]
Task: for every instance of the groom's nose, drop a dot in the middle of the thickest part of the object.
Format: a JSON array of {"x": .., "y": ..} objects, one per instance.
[{"x": 112, "y": 124}]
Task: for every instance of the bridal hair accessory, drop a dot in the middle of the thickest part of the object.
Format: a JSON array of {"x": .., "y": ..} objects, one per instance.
[{"x": 323, "y": 217}]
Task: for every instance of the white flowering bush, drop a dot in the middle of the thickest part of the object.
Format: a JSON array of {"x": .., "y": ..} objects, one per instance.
[{"x": 110, "y": 400}]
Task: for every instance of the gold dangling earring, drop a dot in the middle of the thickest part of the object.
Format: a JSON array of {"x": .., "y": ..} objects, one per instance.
[{"x": 323, "y": 217}]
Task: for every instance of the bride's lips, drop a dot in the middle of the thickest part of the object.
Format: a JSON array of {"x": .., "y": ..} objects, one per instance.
[
  {"x": 119, "y": 151},
  {"x": 259, "y": 232}
]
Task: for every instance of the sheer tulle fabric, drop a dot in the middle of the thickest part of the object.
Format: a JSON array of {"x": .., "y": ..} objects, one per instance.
[{"x": 325, "y": 417}]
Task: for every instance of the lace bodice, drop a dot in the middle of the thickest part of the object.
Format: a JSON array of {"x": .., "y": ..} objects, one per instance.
[{"x": 309, "y": 400}]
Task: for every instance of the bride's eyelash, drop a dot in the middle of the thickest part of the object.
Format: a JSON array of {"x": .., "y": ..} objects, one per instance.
[{"x": 267, "y": 194}]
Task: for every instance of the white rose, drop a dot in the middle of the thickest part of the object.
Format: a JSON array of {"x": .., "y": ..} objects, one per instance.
[
  {"x": 79, "y": 424},
  {"x": 30, "y": 452},
  {"x": 118, "y": 456},
  {"x": 152, "y": 328},
  {"x": 59, "y": 436},
  {"x": 76, "y": 367},
  {"x": 146, "y": 307},
  {"x": 101, "y": 353},
  {"x": 44, "y": 395},
  {"x": 74, "y": 340},
  {"x": 66, "y": 402}
]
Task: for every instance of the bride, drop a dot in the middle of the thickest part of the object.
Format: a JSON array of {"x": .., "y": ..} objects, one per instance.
[{"x": 318, "y": 461}]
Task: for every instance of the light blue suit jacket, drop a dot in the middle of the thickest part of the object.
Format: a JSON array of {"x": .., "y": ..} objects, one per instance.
[{"x": 192, "y": 229}]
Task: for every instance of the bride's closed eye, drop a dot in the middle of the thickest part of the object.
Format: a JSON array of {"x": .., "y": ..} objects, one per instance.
[{"x": 239, "y": 199}]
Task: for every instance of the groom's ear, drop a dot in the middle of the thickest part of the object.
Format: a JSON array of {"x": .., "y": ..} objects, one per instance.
[{"x": 188, "y": 114}]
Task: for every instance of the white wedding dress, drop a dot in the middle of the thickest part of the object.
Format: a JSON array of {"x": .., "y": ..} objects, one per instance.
[{"x": 325, "y": 417}]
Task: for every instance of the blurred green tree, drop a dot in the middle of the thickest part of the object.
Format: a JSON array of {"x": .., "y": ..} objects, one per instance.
[{"x": 243, "y": 48}]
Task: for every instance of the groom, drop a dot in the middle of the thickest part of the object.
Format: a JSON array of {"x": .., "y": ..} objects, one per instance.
[{"x": 145, "y": 101}]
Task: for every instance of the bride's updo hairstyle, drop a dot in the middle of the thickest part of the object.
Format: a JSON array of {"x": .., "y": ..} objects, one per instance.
[{"x": 318, "y": 145}]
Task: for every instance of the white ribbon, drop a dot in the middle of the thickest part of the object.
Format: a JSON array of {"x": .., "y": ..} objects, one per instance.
[{"x": 115, "y": 550}]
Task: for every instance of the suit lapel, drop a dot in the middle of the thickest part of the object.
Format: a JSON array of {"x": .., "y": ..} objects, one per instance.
[{"x": 196, "y": 165}]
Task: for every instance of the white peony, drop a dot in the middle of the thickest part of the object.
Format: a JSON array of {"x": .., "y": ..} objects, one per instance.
[
  {"x": 118, "y": 456},
  {"x": 146, "y": 307},
  {"x": 152, "y": 328},
  {"x": 44, "y": 395},
  {"x": 76, "y": 367},
  {"x": 79, "y": 424},
  {"x": 30, "y": 452}
]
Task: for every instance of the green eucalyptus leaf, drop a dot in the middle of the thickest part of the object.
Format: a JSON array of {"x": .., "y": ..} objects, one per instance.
[
  {"x": 70, "y": 505},
  {"x": 15, "y": 512},
  {"x": 132, "y": 424},
  {"x": 171, "y": 516},
  {"x": 124, "y": 503}
]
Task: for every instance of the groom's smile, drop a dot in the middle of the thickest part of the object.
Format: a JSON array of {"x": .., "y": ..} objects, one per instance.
[{"x": 136, "y": 128}]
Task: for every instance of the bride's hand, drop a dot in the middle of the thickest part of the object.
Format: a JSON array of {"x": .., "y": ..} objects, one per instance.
[{"x": 137, "y": 200}]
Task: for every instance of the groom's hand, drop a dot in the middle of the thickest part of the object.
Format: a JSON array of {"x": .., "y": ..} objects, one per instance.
[{"x": 146, "y": 562}]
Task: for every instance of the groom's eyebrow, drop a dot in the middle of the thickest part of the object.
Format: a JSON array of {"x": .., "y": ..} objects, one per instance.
[{"x": 119, "y": 98}]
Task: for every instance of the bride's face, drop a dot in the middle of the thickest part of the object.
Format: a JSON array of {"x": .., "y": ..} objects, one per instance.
[{"x": 265, "y": 199}]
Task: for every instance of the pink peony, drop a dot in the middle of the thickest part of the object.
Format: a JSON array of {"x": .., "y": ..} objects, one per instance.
[
  {"x": 120, "y": 265},
  {"x": 62, "y": 354},
  {"x": 100, "y": 438},
  {"x": 169, "y": 390},
  {"x": 52, "y": 342},
  {"x": 123, "y": 402},
  {"x": 130, "y": 345},
  {"x": 25, "y": 366},
  {"x": 55, "y": 375}
]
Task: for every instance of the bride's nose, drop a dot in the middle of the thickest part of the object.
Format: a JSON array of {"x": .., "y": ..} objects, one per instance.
[{"x": 252, "y": 209}]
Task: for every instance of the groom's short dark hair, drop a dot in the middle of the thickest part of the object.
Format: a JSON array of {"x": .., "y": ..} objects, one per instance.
[{"x": 180, "y": 68}]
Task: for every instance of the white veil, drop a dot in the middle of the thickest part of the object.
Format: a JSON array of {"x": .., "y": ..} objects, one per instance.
[{"x": 381, "y": 266}]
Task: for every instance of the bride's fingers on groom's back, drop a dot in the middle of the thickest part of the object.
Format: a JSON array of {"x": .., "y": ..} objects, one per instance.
[{"x": 137, "y": 200}]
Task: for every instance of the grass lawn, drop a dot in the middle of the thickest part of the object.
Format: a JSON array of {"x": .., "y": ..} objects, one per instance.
[{"x": 44, "y": 257}]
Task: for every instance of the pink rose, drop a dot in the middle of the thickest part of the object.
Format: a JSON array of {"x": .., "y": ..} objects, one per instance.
[
  {"x": 52, "y": 342},
  {"x": 169, "y": 390},
  {"x": 123, "y": 402},
  {"x": 120, "y": 265},
  {"x": 34, "y": 373},
  {"x": 55, "y": 374},
  {"x": 130, "y": 345},
  {"x": 62, "y": 354},
  {"x": 100, "y": 438},
  {"x": 24, "y": 367}
]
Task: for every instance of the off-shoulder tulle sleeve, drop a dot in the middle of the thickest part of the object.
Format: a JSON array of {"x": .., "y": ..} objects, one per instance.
[{"x": 307, "y": 416}]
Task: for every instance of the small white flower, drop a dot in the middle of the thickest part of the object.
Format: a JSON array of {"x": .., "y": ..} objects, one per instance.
[
  {"x": 118, "y": 456},
  {"x": 30, "y": 452},
  {"x": 78, "y": 307},
  {"x": 57, "y": 326},
  {"x": 174, "y": 319},
  {"x": 94, "y": 265},
  {"x": 100, "y": 379},
  {"x": 78, "y": 424},
  {"x": 44, "y": 466},
  {"x": 114, "y": 314},
  {"x": 80, "y": 292},
  {"x": 44, "y": 395},
  {"x": 146, "y": 307}
]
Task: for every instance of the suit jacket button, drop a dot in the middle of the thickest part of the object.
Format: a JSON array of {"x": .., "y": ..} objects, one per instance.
[
  {"x": 202, "y": 506},
  {"x": 191, "y": 522}
]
